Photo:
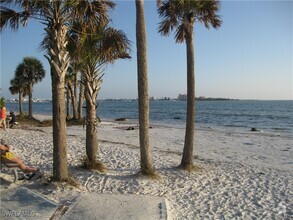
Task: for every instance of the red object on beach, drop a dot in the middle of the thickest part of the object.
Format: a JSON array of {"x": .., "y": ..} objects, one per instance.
[{"x": 3, "y": 113}]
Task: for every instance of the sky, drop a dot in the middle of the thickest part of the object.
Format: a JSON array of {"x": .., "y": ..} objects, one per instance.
[{"x": 249, "y": 57}]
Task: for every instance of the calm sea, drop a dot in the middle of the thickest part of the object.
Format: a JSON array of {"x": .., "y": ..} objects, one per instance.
[{"x": 268, "y": 116}]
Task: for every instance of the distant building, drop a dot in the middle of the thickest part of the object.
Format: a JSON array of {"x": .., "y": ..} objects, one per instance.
[{"x": 182, "y": 97}]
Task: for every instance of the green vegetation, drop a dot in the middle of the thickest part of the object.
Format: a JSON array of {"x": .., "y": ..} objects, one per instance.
[{"x": 2, "y": 102}]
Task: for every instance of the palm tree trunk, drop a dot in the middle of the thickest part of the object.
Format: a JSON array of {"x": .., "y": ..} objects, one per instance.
[
  {"x": 68, "y": 99},
  {"x": 91, "y": 87},
  {"x": 60, "y": 167},
  {"x": 80, "y": 101},
  {"x": 74, "y": 99},
  {"x": 143, "y": 98},
  {"x": 91, "y": 133},
  {"x": 20, "y": 103},
  {"x": 80, "y": 107},
  {"x": 187, "y": 156},
  {"x": 59, "y": 61},
  {"x": 30, "y": 109}
]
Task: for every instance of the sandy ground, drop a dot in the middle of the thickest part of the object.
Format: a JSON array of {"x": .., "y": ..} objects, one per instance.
[{"x": 242, "y": 176}]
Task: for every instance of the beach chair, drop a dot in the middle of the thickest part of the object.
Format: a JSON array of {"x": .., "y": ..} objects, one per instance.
[{"x": 12, "y": 166}]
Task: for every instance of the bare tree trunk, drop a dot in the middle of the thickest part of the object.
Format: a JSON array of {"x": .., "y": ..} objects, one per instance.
[
  {"x": 187, "y": 157},
  {"x": 143, "y": 98},
  {"x": 30, "y": 109}
]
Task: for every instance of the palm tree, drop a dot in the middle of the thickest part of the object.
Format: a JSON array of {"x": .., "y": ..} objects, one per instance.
[
  {"x": 143, "y": 97},
  {"x": 20, "y": 88},
  {"x": 97, "y": 46},
  {"x": 76, "y": 67},
  {"x": 181, "y": 15},
  {"x": 30, "y": 72},
  {"x": 55, "y": 15}
]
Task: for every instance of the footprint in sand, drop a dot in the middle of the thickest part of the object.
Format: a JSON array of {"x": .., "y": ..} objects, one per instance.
[{"x": 247, "y": 143}]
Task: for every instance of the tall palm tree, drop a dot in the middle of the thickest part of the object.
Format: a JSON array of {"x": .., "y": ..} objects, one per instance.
[
  {"x": 75, "y": 68},
  {"x": 19, "y": 87},
  {"x": 55, "y": 15},
  {"x": 97, "y": 46},
  {"x": 143, "y": 97},
  {"x": 181, "y": 15},
  {"x": 30, "y": 72}
]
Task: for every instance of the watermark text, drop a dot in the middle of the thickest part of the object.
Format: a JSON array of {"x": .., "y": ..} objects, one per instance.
[{"x": 18, "y": 213}]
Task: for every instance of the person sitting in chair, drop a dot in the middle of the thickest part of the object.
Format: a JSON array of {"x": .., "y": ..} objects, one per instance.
[{"x": 8, "y": 157}]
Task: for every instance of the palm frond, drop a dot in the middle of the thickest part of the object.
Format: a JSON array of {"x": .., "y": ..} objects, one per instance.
[
  {"x": 180, "y": 33},
  {"x": 11, "y": 18},
  {"x": 207, "y": 13},
  {"x": 18, "y": 84},
  {"x": 169, "y": 14},
  {"x": 93, "y": 12},
  {"x": 98, "y": 45},
  {"x": 45, "y": 44},
  {"x": 115, "y": 45},
  {"x": 182, "y": 14},
  {"x": 29, "y": 9},
  {"x": 165, "y": 27}
]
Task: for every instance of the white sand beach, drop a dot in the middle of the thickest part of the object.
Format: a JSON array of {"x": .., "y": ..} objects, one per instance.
[{"x": 241, "y": 176}]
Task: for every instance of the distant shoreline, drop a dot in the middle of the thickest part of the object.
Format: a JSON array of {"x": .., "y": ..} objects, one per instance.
[
  {"x": 151, "y": 99},
  {"x": 155, "y": 99}
]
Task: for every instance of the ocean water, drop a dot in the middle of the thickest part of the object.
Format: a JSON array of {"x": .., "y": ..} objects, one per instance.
[{"x": 269, "y": 116}]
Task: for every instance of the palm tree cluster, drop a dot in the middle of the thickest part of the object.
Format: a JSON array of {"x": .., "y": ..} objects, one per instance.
[
  {"x": 79, "y": 42},
  {"x": 27, "y": 73},
  {"x": 58, "y": 17},
  {"x": 92, "y": 47}
]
